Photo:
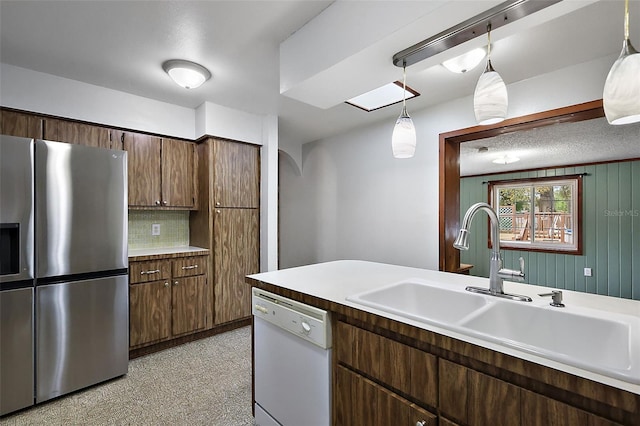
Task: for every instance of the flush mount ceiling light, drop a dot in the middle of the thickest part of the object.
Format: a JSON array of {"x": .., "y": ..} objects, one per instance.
[
  {"x": 621, "y": 95},
  {"x": 186, "y": 73},
  {"x": 490, "y": 100},
  {"x": 507, "y": 159},
  {"x": 403, "y": 140},
  {"x": 465, "y": 62}
]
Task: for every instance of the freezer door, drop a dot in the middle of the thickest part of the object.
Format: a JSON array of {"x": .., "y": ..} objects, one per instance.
[
  {"x": 16, "y": 349},
  {"x": 81, "y": 209},
  {"x": 16, "y": 209},
  {"x": 82, "y": 334}
]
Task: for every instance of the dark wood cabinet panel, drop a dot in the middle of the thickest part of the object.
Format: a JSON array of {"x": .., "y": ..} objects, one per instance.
[
  {"x": 144, "y": 169},
  {"x": 423, "y": 375},
  {"x": 76, "y": 133},
  {"x": 178, "y": 173},
  {"x": 20, "y": 124},
  {"x": 236, "y": 174},
  {"x": 538, "y": 410},
  {"x": 187, "y": 310},
  {"x": 149, "y": 312},
  {"x": 492, "y": 401},
  {"x": 453, "y": 386},
  {"x": 189, "y": 266},
  {"x": 359, "y": 401},
  {"x": 236, "y": 253}
]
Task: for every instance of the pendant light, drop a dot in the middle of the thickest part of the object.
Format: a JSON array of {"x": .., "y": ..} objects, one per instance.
[
  {"x": 403, "y": 140},
  {"x": 490, "y": 99},
  {"x": 621, "y": 95}
]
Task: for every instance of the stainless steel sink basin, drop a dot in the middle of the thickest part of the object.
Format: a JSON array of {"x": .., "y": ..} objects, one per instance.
[
  {"x": 422, "y": 301},
  {"x": 580, "y": 337}
]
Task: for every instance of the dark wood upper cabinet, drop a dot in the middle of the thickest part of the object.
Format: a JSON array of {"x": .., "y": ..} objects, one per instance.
[
  {"x": 178, "y": 173},
  {"x": 237, "y": 174},
  {"x": 161, "y": 171},
  {"x": 144, "y": 169},
  {"x": 20, "y": 124},
  {"x": 76, "y": 133}
]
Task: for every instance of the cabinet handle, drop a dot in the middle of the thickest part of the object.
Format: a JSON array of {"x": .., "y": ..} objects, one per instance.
[
  {"x": 421, "y": 423},
  {"x": 166, "y": 284},
  {"x": 164, "y": 202},
  {"x": 218, "y": 211},
  {"x": 175, "y": 283},
  {"x": 190, "y": 267},
  {"x": 157, "y": 271},
  {"x": 157, "y": 202},
  {"x": 218, "y": 203}
]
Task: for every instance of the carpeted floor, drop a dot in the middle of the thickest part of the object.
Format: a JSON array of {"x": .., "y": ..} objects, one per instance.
[{"x": 207, "y": 382}]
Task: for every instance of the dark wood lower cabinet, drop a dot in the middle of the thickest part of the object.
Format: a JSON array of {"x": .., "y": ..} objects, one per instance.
[
  {"x": 149, "y": 312},
  {"x": 381, "y": 381},
  {"x": 170, "y": 307},
  {"x": 359, "y": 401}
]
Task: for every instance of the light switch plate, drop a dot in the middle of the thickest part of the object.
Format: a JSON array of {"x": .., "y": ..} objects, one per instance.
[
  {"x": 587, "y": 272},
  {"x": 155, "y": 229}
]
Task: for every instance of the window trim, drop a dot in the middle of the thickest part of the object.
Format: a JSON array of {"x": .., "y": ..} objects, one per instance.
[{"x": 536, "y": 181}]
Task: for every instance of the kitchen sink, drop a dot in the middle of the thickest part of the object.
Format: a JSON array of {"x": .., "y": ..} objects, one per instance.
[
  {"x": 581, "y": 337},
  {"x": 422, "y": 301},
  {"x": 597, "y": 341}
]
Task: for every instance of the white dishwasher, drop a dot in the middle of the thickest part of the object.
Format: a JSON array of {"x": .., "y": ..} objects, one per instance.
[{"x": 292, "y": 362}]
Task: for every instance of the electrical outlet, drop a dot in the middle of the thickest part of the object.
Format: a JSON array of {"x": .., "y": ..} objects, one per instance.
[
  {"x": 587, "y": 272},
  {"x": 155, "y": 229}
]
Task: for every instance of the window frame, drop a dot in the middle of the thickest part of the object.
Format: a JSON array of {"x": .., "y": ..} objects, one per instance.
[{"x": 576, "y": 181}]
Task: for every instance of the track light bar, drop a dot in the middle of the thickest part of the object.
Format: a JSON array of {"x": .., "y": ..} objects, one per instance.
[{"x": 500, "y": 15}]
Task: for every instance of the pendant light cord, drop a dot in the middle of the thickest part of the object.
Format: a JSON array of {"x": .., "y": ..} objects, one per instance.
[
  {"x": 626, "y": 19},
  {"x": 404, "y": 84},
  {"x": 489, "y": 41}
]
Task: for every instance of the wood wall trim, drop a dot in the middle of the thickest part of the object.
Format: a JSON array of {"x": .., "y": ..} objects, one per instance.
[{"x": 449, "y": 161}]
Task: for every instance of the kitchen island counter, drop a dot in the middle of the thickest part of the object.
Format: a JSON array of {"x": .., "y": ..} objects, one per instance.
[{"x": 328, "y": 285}]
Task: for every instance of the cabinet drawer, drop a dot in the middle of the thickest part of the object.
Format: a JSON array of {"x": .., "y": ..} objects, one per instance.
[
  {"x": 152, "y": 270},
  {"x": 189, "y": 266},
  {"x": 396, "y": 365}
]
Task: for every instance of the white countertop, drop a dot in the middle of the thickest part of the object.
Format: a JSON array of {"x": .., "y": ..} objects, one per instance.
[
  {"x": 164, "y": 251},
  {"x": 335, "y": 281}
]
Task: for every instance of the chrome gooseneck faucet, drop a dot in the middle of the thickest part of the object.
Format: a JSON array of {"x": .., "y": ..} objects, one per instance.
[{"x": 496, "y": 272}]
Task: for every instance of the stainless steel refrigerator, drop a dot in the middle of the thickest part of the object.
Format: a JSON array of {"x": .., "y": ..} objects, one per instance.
[{"x": 80, "y": 314}]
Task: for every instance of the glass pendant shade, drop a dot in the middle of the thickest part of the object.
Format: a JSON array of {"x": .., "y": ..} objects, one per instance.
[
  {"x": 403, "y": 140},
  {"x": 621, "y": 95},
  {"x": 490, "y": 99}
]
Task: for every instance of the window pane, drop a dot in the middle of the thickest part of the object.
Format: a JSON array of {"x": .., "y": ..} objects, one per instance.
[
  {"x": 553, "y": 214},
  {"x": 514, "y": 213}
]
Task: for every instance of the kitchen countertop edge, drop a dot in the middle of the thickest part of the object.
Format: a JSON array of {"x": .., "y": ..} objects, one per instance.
[{"x": 136, "y": 255}]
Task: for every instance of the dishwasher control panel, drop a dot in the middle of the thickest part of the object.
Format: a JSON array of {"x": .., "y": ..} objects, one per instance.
[{"x": 306, "y": 322}]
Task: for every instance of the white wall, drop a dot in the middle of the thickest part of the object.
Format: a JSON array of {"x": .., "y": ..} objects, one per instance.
[
  {"x": 355, "y": 201},
  {"x": 34, "y": 91}
]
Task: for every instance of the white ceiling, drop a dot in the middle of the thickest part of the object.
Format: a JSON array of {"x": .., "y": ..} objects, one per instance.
[{"x": 344, "y": 50}]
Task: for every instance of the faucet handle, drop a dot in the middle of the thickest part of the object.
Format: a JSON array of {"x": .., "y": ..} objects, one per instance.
[
  {"x": 512, "y": 274},
  {"x": 556, "y": 298},
  {"x": 521, "y": 265}
]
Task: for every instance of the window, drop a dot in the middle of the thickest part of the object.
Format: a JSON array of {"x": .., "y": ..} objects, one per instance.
[{"x": 540, "y": 214}]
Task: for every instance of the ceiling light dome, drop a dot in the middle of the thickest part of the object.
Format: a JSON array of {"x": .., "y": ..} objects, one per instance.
[
  {"x": 468, "y": 61},
  {"x": 186, "y": 73}
]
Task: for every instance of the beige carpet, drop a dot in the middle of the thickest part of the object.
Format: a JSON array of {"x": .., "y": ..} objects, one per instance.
[{"x": 207, "y": 382}]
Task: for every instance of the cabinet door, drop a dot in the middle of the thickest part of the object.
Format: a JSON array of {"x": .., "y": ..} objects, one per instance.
[
  {"x": 236, "y": 174},
  {"x": 188, "y": 312},
  {"x": 144, "y": 169},
  {"x": 538, "y": 410},
  {"x": 236, "y": 254},
  {"x": 149, "y": 270},
  {"x": 20, "y": 124},
  {"x": 149, "y": 312},
  {"x": 76, "y": 133},
  {"x": 178, "y": 168}
]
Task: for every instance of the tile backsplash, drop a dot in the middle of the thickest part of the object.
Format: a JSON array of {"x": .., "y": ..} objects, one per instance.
[{"x": 174, "y": 228}]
